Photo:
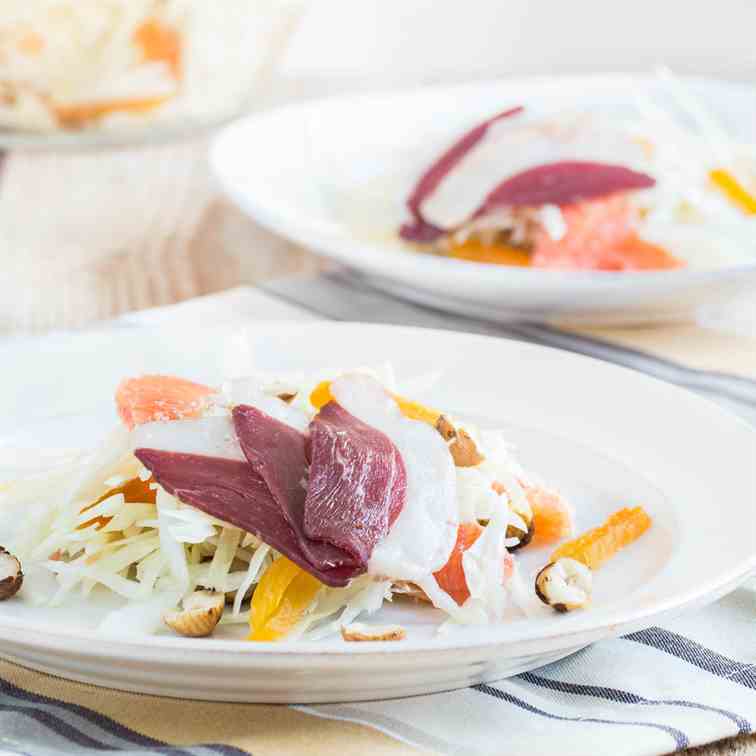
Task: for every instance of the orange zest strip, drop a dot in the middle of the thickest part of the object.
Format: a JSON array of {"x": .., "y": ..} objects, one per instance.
[
  {"x": 135, "y": 491},
  {"x": 594, "y": 547},
  {"x": 417, "y": 411},
  {"x": 734, "y": 190},
  {"x": 75, "y": 116},
  {"x": 321, "y": 395},
  {"x": 474, "y": 250}
]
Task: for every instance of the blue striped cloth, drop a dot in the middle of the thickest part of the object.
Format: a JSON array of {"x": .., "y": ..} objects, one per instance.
[{"x": 660, "y": 690}]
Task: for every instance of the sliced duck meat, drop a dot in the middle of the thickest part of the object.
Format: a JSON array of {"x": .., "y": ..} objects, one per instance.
[
  {"x": 357, "y": 483},
  {"x": 234, "y": 492},
  {"x": 507, "y": 162},
  {"x": 563, "y": 183},
  {"x": 276, "y": 451},
  {"x": 420, "y": 230}
]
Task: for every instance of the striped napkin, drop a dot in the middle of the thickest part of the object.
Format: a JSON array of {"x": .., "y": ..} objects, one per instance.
[{"x": 689, "y": 682}]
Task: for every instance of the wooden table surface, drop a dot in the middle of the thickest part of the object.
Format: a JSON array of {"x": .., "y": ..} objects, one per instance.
[{"x": 87, "y": 237}]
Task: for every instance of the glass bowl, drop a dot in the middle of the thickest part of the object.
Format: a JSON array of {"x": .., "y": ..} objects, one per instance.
[{"x": 87, "y": 75}]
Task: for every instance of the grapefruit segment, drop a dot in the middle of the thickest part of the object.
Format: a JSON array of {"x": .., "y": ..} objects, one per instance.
[
  {"x": 600, "y": 235},
  {"x": 451, "y": 577},
  {"x": 152, "y": 398}
]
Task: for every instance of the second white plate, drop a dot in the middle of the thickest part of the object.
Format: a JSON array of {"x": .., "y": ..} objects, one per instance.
[{"x": 333, "y": 176}]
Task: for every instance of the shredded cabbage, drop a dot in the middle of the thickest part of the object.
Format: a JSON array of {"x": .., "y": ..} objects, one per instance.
[{"x": 153, "y": 555}]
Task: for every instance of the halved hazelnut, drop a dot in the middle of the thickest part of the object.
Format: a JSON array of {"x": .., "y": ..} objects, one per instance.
[
  {"x": 410, "y": 590},
  {"x": 359, "y": 632},
  {"x": 524, "y": 511},
  {"x": 200, "y": 613},
  {"x": 461, "y": 446},
  {"x": 564, "y": 585},
  {"x": 445, "y": 428},
  {"x": 11, "y": 576},
  {"x": 525, "y": 537}
]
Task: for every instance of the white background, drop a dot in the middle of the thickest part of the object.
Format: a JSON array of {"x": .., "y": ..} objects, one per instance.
[{"x": 408, "y": 41}]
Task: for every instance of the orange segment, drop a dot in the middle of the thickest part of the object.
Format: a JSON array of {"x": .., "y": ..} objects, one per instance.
[
  {"x": 280, "y": 599},
  {"x": 135, "y": 491},
  {"x": 552, "y": 516},
  {"x": 451, "y": 577},
  {"x": 596, "y": 546},
  {"x": 295, "y": 601},
  {"x": 160, "y": 43},
  {"x": 634, "y": 253},
  {"x": 475, "y": 250},
  {"x": 159, "y": 397},
  {"x": 417, "y": 411},
  {"x": 321, "y": 395}
]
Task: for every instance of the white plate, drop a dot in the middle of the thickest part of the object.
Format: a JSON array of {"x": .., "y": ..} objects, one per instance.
[
  {"x": 608, "y": 436},
  {"x": 333, "y": 175}
]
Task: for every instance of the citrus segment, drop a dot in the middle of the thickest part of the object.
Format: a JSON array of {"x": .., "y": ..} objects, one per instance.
[
  {"x": 600, "y": 235},
  {"x": 474, "y": 250},
  {"x": 552, "y": 516},
  {"x": 321, "y": 395},
  {"x": 159, "y": 397},
  {"x": 451, "y": 577},
  {"x": 135, "y": 491},
  {"x": 735, "y": 192},
  {"x": 280, "y": 599}
]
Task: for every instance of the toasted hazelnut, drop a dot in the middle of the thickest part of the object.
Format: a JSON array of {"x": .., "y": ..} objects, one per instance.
[
  {"x": 564, "y": 585},
  {"x": 524, "y": 512},
  {"x": 359, "y": 632},
  {"x": 410, "y": 590},
  {"x": 445, "y": 428},
  {"x": 11, "y": 576},
  {"x": 200, "y": 613},
  {"x": 464, "y": 451},
  {"x": 461, "y": 446},
  {"x": 283, "y": 390},
  {"x": 525, "y": 537}
]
